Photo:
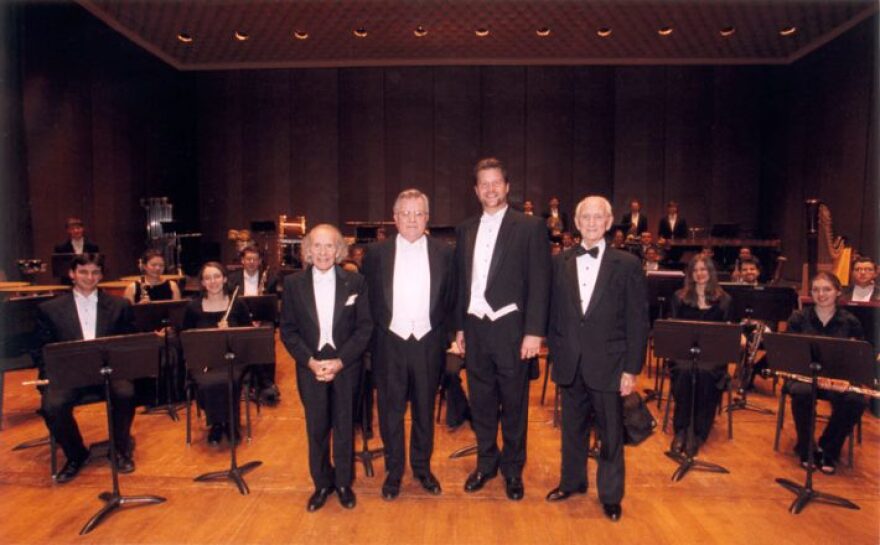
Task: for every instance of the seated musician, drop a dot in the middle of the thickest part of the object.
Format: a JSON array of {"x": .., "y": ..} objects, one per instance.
[
  {"x": 825, "y": 318},
  {"x": 151, "y": 286},
  {"x": 252, "y": 279},
  {"x": 528, "y": 208},
  {"x": 635, "y": 221},
  {"x": 556, "y": 220},
  {"x": 700, "y": 299},
  {"x": 86, "y": 313},
  {"x": 745, "y": 254},
  {"x": 76, "y": 242},
  {"x": 864, "y": 287},
  {"x": 651, "y": 260},
  {"x": 749, "y": 271},
  {"x": 214, "y": 308},
  {"x": 646, "y": 240},
  {"x": 618, "y": 239},
  {"x": 568, "y": 240},
  {"x": 672, "y": 226}
]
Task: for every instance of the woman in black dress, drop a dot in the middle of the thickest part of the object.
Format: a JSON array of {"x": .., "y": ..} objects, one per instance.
[
  {"x": 826, "y": 319},
  {"x": 700, "y": 299},
  {"x": 207, "y": 311},
  {"x": 151, "y": 287}
]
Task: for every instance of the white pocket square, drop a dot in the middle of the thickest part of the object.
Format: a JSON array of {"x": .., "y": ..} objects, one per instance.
[{"x": 351, "y": 299}]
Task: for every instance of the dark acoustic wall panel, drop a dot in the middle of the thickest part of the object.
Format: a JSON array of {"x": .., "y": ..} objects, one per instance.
[
  {"x": 592, "y": 136},
  {"x": 503, "y": 134}
]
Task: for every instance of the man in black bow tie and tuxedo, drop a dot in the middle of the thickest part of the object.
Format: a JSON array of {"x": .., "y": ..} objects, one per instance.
[{"x": 597, "y": 335}]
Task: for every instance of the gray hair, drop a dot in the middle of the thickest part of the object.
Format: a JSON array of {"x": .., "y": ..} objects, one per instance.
[
  {"x": 341, "y": 246},
  {"x": 411, "y": 193},
  {"x": 594, "y": 198}
]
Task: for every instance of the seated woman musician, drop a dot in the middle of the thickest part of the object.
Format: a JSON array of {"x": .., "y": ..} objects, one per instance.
[
  {"x": 151, "y": 286},
  {"x": 825, "y": 318},
  {"x": 215, "y": 308},
  {"x": 700, "y": 299}
]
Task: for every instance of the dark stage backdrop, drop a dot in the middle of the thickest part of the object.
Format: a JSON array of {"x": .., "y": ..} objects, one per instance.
[{"x": 105, "y": 124}]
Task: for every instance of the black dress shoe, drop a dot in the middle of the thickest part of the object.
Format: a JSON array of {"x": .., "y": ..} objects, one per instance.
[
  {"x": 677, "y": 446},
  {"x": 270, "y": 396},
  {"x": 124, "y": 463},
  {"x": 319, "y": 498},
  {"x": 430, "y": 483},
  {"x": 557, "y": 494},
  {"x": 216, "y": 434},
  {"x": 612, "y": 510},
  {"x": 477, "y": 480},
  {"x": 346, "y": 497},
  {"x": 514, "y": 488},
  {"x": 390, "y": 488},
  {"x": 69, "y": 471}
]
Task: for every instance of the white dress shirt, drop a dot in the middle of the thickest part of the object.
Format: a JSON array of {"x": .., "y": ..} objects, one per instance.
[
  {"x": 251, "y": 283},
  {"x": 588, "y": 271},
  {"x": 325, "y": 300},
  {"x": 634, "y": 220},
  {"x": 672, "y": 221},
  {"x": 78, "y": 245},
  {"x": 484, "y": 247},
  {"x": 87, "y": 312},
  {"x": 410, "y": 313},
  {"x": 862, "y": 294}
]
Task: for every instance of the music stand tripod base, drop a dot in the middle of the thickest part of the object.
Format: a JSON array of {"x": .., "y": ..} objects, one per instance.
[
  {"x": 806, "y": 495},
  {"x": 234, "y": 474},
  {"x": 114, "y": 501},
  {"x": 687, "y": 463}
]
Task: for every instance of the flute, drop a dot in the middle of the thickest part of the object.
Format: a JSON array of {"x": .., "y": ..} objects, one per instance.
[
  {"x": 835, "y": 385},
  {"x": 229, "y": 308}
]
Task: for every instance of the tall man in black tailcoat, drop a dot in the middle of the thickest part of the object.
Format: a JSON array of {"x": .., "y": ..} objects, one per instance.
[
  {"x": 410, "y": 279},
  {"x": 598, "y": 332},
  {"x": 503, "y": 271}
]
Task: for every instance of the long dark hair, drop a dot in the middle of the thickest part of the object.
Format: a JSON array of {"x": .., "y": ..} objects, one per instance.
[{"x": 688, "y": 293}]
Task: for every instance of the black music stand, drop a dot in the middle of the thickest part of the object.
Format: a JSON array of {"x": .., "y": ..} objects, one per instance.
[
  {"x": 813, "y": 356},
  {"x": 367, "y": 455},
  {"x": 662, "y": 285},
  {"x": 697, "y": 342},
  {"x": 230, "y": 347},
  {"x": 77, "y": 364},
  {"x": 162, "y": 315},
  {"x": 263, "y": 308},
  {"x": 772, "y": 304}
]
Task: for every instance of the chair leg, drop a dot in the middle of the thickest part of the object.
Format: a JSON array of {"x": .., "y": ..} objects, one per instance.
[
  {"x": 666, "y": 413},
  {"x": 662, "y": 371},
  {"x": 546, "y": 379},
  {"x": 441, "y": 398},
  {"x": 247, "y": 414},
  {"x": 859, "y": 430},
  {"x": 188, "y": 415},
  {"x": 53, "y": 455},
  {"x": 852, "y": 439},
  {"x": 780, "y": 418},
  {"x": 729, "y": 411}
]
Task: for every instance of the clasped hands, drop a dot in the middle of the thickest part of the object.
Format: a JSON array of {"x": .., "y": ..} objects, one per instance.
[{"x": 325, "y": 370}]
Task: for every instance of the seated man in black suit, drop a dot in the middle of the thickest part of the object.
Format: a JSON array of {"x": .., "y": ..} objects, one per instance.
[
  {"x": 635, "y": 221},
  {"x": 864, "y": 287},
  {"x": 83, "y": 314},
  {"x": 253, "y": 279},
  {"x": 76, "y": 242}
]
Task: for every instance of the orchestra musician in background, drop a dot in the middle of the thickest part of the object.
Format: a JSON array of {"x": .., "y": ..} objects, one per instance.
[
  {"x": 864, "y": 287},
  {"x": 151, "y": 286},
  {"x": 86, "y": 313},
  {"x": 825, "y": 318},
  {"x": 326, "y": 326},
  {"x": 635, "y": 221},
  {"x": 215, "y": 308},
  {"x": 76, "y": 242},
  {"x": 700, "y": 299}
]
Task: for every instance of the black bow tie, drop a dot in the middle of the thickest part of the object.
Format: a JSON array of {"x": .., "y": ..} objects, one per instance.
[{"x": 594, "y": 251}]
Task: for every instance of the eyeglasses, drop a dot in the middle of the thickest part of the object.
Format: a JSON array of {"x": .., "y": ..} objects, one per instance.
[{"x": 408, "y": 214}]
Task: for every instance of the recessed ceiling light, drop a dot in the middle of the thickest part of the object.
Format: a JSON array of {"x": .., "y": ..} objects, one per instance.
[
  {"x": 543, "y": 32},
  {"x": 482, "y": 32},
  {"x": 301, "y": 35},
  {"x": 788, "y": 31},
  {"x": 360, "y": 32},
  {"x": 665, "y": 31},
  {"x": 241, "y": 36},
  {"x": 184, "y": 38},
  {"x": 604, "y": 32},
  {"x": 727, "y": 31},
  {"x": 420, "y": 31}
]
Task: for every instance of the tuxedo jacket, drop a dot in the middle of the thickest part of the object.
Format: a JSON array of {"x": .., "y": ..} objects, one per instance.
[
  {"x": 518, "y": 273},
  {"x": 66, "y": 247},
  {"x": 236, "y": 279},
  {"x": 352, "y": 324},
  {"x": 665, "y": 231},
  {"x": 626, "y": 222},
  {"x": 58, "y": 319},
  {"x": 379, "y": 272},
  {"x": 846, "y": 296},
  {"x": 610, "y": 338}
]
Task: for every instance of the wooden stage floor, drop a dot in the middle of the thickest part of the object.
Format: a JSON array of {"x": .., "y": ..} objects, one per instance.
[{"x": 746, "y": 506}]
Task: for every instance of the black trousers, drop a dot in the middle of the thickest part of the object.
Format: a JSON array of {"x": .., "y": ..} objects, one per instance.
[
  {"x": 57, "y": 409},
  {"x": 329, "y": 406},
  {"x": 457, "y": 408},
  {"x": 580, "y": 404},
  {"x": 498, "y": 385},
  {"x": 846, "y": 409},
  {"x": 213, "y": 394},
  {"x": 407, "y": 371},
  {"x": 710, "y": 387}
]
